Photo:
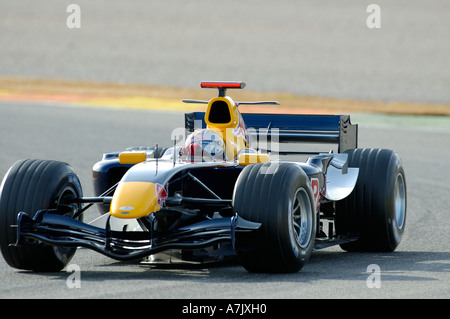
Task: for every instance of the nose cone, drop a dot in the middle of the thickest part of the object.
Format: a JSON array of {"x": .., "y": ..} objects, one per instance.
[{"x": 137, "y": 199}]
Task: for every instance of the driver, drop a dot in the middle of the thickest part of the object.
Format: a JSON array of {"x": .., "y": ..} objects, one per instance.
[{"x": 204, "y": 146}]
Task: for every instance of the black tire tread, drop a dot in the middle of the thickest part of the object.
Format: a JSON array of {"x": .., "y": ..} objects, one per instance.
[
  {"x": 29, "y": 186},
  {"x": 260, "y": 198},
  {"x": 366, "y": 210}
]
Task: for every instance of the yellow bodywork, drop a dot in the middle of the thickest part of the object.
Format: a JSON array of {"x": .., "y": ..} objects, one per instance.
[
  {"x": 247, "y": 159},
  {"x": 132, "y": 157},
  {"x": 233, "y": 132},
  {"x": 137, "y": 199}
]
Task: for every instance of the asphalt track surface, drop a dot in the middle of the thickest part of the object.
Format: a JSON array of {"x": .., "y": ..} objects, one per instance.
[
  {"x": 419, "y": 268},
  {"x": 307, "y": 47}
]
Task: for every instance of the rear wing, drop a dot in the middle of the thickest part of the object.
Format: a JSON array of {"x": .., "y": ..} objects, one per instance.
[{"x": 328, "y": 129}]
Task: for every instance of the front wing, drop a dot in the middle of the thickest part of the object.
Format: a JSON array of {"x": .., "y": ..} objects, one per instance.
[{"x": 58, "y": 230}]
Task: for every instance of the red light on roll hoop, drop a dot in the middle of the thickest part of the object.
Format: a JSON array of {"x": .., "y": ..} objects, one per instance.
[{"x": 223, "y": 84}]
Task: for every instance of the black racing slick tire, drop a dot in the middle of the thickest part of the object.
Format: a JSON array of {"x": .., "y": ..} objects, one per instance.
[
  {"x": 376, "y": 209},
  {"x": 279, "y": 196},
  {"x": 28, "y": 186}
]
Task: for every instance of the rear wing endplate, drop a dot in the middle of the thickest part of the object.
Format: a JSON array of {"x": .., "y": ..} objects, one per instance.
[{"x": 329, "y": 129}]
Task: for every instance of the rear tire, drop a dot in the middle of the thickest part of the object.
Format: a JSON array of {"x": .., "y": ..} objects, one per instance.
[
  {"x": 376, "y": 209},
  {"x": 282, "y": 202},
  {"x": 28, "y": 186}
]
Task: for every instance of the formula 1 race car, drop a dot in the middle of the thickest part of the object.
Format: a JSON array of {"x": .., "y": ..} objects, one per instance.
[{"x": 221, "y": 192}]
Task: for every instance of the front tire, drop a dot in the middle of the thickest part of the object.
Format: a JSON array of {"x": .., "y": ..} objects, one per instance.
[
  {"x": 28, "y": 186},
  {"x": 282, "y": 201}
]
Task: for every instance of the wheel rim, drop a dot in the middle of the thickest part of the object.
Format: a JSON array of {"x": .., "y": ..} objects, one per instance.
[
  {"x": 400, "y": 201},
  {"x": 63, "y": 254},
  {"x": 301, "y": 218},
  {"x": 66, "y": 198}
]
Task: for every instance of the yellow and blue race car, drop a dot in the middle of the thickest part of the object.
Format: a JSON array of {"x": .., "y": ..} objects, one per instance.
[{"x": 266, "y": 189}]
